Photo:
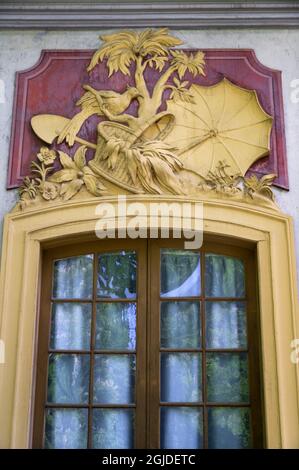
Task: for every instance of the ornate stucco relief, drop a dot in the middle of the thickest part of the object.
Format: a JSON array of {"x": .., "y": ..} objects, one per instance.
[{"x": 203, "y": 143}]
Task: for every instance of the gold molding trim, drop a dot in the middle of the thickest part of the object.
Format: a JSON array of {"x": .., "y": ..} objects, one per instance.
[{"x": 27, "y": 232}]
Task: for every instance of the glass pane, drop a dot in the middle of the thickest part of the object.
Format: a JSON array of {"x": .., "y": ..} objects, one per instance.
[
  {"x": 227, "y": 377},
  {"x": 181, "y": 377},
  {"x": 181, "y": 428},
  {"x": 116, "y": 326},
  {"x": 224, "y": 276},
  {"x": 180, "y": 273},
  {"x": 68, "y": 378},
  {"x": 73, "y": 278},
  {"x": 70, "y": 326},
  {"x": 114, "y": 378},
  {"x": 117, "y": 275},
  {"x": 66, "y": 429},
  {"x": 226, "y": 325},
  {"x": 180, "y": 325},
  {"x": 113, "y": 429},
  {"x": 229, "y": 428}
]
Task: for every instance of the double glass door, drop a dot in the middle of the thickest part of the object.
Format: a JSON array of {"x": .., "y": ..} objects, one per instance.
[{"x": 145, "y": 344}]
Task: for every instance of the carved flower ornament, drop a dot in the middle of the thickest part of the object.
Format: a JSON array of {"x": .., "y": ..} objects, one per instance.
[
  {"x": 65, "y": 182},
  {"x": 46, "y": 156},
  {"x": 75, "y": 174}
]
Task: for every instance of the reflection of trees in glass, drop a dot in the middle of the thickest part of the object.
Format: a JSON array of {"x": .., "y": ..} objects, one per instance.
[
  {"x": 113, "y": 429},
  {"x": 66, "y": 429},
  {"x": 116, "y": 325},
  {"x": 180, "y": 273},
  {"x": 114, "y": 378},
  {"x": 180, "y": 325},
  {"x": 227, "y": 377},
  {"x": 68, "y": 378},
  {"x": 181, "y": 377},
  {"x": 181, "y": 428},
  {"x": 224, "y": 276},
  {"x": 117, "y": 275},
  {"x": 226, "y": 325},
  {"x": 181, "y": 373},
  {"x": 114, "y": 375},
  {"x": 73, "y": 277},
  {"x": 229, "y": 428}
]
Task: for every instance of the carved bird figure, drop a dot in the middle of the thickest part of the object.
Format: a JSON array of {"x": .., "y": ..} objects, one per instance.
[
  {"x": 115, "y": 103},
  {"x": 100, "y": 102}
]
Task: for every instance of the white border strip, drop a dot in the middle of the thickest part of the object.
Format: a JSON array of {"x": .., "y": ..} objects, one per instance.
[{"x": 185, "y": 15}]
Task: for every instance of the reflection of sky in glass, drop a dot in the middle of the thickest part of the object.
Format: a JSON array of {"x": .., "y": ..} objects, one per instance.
[
  {"x": 132, "y": 326},
  {"x": 181, "y": 428},
  {"x": 73, "y": 277},
  {"x": 113, "y": 429},
  {"x": 70, "y": 326},
  {"x": 180, "y": 377}
]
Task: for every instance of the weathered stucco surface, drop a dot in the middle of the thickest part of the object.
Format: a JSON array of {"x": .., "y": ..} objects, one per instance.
[{"x": 274, "y": 48}]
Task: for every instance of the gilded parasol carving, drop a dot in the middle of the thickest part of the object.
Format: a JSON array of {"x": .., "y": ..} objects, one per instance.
[{"x": 222, "y": 122}]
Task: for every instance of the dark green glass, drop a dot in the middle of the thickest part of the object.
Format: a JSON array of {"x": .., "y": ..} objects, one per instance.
[
  {"x": 227, "y": 377},
  {"x": 117, "y": 275},
  {"x": 116, "y": 325},
  {"x": 181, "y": 428},
  {"x": 180, "y": 325},
  {"x": 229, "y": 428},
  {"x": 224, "y": 276}
]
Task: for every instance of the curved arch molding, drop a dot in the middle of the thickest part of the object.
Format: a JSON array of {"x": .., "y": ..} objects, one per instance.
[{"x": 25, "y": 235}]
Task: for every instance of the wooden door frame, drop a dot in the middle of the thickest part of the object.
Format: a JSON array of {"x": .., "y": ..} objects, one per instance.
[
  {"x": 44, "y": 330},
  {"x": 148, "y": 331},
  {"x": 248, "y": 256}
]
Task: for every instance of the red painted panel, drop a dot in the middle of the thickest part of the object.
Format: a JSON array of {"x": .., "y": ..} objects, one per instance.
[{"x": 54, "y": 85}]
